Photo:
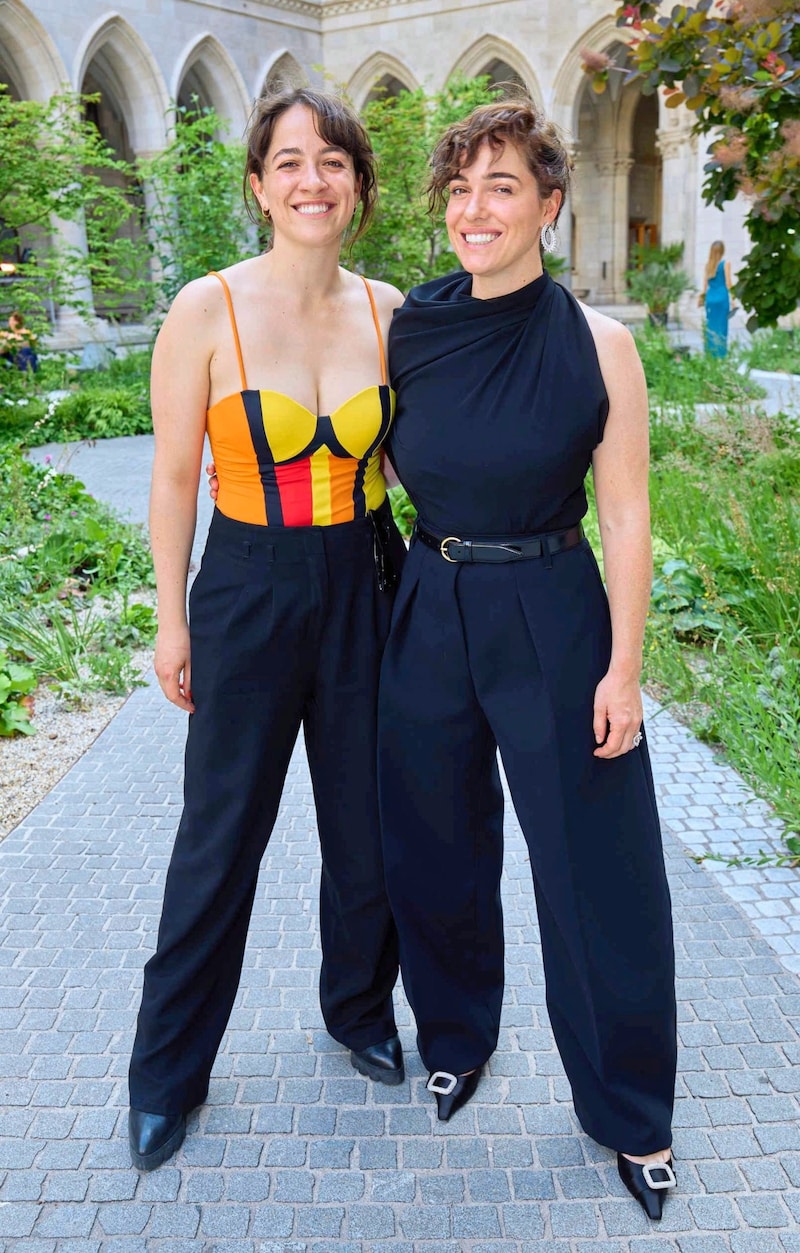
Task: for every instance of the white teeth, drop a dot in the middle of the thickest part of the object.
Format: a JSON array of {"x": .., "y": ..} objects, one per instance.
[
  {"x": 312, "y": 208},
  {"x": 480, "y": 239}
]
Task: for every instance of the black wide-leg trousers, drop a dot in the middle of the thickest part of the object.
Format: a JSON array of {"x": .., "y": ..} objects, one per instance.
[
  {"x": 509, "y": 656},
  {"x": 287, "y": 629}
]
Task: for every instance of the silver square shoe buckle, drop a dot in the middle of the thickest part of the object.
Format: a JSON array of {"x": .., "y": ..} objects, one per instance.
[
  {"x": 439, "y": 1077},
  {"x": 665, "y": 1170}
]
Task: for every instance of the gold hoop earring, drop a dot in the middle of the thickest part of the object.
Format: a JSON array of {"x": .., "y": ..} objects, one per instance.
[{"x": 265, "y": 214}]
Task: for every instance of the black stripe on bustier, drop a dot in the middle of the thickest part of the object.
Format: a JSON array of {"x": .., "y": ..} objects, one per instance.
[
  {"x": 264, "y": 457},
  {"x": 326, "y": 435},
  {"x": 386, "y": 419}
]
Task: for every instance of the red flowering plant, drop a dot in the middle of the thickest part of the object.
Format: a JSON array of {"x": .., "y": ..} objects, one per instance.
[{"x": 736, "y": 65}]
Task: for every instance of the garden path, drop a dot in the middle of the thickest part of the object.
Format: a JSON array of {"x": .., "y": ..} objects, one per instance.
[{"x": 294, "y": 1153}]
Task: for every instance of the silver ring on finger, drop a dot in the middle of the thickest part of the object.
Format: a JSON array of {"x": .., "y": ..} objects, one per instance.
[{"x": 637, "y": 739}]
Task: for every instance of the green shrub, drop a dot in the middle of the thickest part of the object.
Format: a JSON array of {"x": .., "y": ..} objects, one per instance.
[
  {"x": 656, "y": 278},
  {"x": 16, "y": 684},
  {"x": 781, "y": 470},
  {"x": 723, "y": 638},
  {"x": 18, "y": 416},
  {"x": 67, "y": 571},
  {"x": 403, "y": 510},
  {"x": 678, "y": 377},
  {"x": 775, "y": 349},
  {"x": 131, "y": 370},
  {"x": 97, "y": 413}
]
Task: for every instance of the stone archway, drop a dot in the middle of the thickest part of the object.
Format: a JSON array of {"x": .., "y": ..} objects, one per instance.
[
  {"x": 115, "y": 50},
  {"x": 31, "y": 69},
  {"x": 29, "y": 61},
  {"x": 207, "y": 74},
  {"x": 501, "y": 62},
  {"x": 386, "y": 86},
  {"x": 283, "y": 70},
  {"x": 618, "y": 184},
  {"x": 617, "y": 166},
  {"x": 130, "y": 114},
  {"x": 380, "y": 75}
]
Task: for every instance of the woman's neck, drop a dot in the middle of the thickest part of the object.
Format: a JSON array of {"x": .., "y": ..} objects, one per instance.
[
  {"x": 490, "y": 286},
  {"x": 314, "y": 273}
]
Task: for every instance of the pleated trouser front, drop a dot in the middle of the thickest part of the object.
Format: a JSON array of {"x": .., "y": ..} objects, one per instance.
[
  {"x": 482, "y": 656},
  {"x": 287, "y": 629}
]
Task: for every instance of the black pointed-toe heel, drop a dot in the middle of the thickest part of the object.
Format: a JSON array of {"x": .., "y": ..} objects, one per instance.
[
  {"x": 648, "y": 1184},
  {"x": 382, "y": 1062},
  {"x": 452, "y": 1091},
  {"x": 154, "y": 1137}
]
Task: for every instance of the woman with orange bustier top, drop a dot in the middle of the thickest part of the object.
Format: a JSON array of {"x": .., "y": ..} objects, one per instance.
[{"x": 281, "y": 360}]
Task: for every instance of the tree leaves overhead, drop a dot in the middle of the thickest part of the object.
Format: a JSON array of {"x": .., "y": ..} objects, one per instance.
[{"x": 735, "y": 64}]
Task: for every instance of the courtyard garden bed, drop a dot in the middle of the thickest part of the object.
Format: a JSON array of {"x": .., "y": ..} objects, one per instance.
[{"x": 76, "y": 590}]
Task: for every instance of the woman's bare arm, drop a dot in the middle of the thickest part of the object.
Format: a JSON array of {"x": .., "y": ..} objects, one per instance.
[
  {"x": 620, "y": 467},
  {"x": 179, "y": 397}
]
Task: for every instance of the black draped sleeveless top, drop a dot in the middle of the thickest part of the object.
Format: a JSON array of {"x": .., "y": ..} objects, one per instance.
[{"x": 500, "y": 404}]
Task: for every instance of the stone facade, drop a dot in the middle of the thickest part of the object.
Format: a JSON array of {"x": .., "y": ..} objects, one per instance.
[{"x": 638, "y": 169}]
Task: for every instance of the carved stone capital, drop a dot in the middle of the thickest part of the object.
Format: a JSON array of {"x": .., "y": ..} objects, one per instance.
[
  {"x": 674, "y": 143},
  {"x": 610, "y": 161}
]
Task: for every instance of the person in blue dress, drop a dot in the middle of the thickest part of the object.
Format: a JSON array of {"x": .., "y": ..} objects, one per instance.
[{"x": 716, "y": 298}]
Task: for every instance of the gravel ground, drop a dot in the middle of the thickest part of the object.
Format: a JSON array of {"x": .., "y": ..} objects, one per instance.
[{"x": 30, "y": 765}]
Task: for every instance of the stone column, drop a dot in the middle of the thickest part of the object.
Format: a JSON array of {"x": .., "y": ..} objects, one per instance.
[
  {"x": 621, "y": 225},
  {"x": 612, "y": 168},
  {"x": 680, "y": 196},
  {"x": 71, "y": 319},
  {"x": 565, "y": 248}
]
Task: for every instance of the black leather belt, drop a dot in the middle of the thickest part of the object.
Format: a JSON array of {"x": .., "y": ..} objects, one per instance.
[{"x": 519, "y": 548}]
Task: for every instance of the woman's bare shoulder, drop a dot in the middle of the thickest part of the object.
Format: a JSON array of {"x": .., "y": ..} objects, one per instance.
[
  {"x": 386, "y": 296},
  {"x": 617, "y": 354},
  {"x": 201, "y": 298},
  {"x": 612, "y": 339}
]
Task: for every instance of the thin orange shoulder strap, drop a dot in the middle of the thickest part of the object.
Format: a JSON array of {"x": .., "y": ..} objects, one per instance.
[
  {"x": 229, "y": 302},
  {"x": 378, "y": 330}
]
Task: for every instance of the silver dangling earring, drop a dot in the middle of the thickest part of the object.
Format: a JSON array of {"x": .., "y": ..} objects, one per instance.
[{"x": 549, "y": 237}]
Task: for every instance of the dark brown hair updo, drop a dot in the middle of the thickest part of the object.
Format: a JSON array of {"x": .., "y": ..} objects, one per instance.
[
  {"x": 516, "y": 121},
  {"x": 336, "y": 123}
]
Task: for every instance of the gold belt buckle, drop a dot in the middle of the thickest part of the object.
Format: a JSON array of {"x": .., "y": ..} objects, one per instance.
[{"x": 450, "y": 539}]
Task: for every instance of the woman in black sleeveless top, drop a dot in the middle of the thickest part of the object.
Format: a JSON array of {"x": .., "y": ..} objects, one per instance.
[{"x": 502, "y": 635}]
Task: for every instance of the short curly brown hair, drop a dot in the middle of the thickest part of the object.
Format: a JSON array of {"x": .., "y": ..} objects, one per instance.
[
  {"x": 337, "y": 124},
  {"x": 516, "y": 121}
]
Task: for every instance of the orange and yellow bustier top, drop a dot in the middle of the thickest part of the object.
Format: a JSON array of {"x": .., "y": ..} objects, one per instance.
[{"x": 279, "y": 464}]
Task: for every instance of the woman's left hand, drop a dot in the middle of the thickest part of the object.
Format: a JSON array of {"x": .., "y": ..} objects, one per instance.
[{"x": 617, "y": 714}]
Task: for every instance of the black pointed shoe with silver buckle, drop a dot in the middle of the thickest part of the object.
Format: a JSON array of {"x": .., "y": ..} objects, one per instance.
[
  {"x": 452, "y": 1091},
  {"x": 648, "y": 1184},
  {"x": 382, "y": 1062},
  {"x": 154, "y": 1137}
]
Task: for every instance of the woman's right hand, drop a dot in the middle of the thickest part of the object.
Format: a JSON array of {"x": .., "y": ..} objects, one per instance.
[
  {"x": 213, "y": 481},
  {"x": 173, "y": 667}
]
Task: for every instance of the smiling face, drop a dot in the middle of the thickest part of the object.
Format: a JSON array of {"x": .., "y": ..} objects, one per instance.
[
  {"x": 495, "y": 215},
  {"x": 308, "y": 186}
]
